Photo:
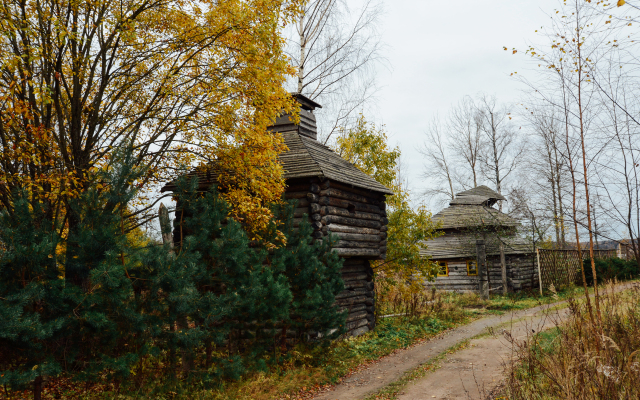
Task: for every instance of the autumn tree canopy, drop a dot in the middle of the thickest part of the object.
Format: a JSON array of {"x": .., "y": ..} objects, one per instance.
[{"x": 179, "y": 82}]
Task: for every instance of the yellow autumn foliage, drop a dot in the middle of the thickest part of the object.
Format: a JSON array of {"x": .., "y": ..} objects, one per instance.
[{"x": 182, "y": 82}]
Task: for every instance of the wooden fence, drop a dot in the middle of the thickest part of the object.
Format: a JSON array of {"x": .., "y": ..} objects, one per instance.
[{"x": 562, "y": 267}]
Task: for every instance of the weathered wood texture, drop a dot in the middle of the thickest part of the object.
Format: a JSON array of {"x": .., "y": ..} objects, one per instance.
[
  {"x": 562, "y": 267},
  {"x": 358, "y": 296},
  {"x": 522, "y": 274}
]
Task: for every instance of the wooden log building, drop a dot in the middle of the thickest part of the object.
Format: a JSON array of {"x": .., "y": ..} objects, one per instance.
[
  {"x": 471, "y": 217},
  {"x": 337, "y": 198}
]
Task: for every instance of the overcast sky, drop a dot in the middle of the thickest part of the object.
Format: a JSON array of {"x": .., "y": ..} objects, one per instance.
[{"x": 440, "y": 51}]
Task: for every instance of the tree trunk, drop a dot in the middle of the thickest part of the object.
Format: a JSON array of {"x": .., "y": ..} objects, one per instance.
[{"x": 37, "y": 388}]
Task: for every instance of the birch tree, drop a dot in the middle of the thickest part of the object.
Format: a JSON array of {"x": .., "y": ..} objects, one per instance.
[{"x": 335, "y": 50}]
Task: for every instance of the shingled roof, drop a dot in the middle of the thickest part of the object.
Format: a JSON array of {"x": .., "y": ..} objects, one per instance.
[
  {"x": 467, "y": 216},
  {"x": 483, "y": 191},
  {"x": 463, "y": 246},
  {"x": 306, "y": 158}
]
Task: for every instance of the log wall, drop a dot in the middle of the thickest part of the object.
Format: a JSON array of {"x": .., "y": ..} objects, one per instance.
[
  {"x": 522, "y": 273},
  {"x": 357, "y": 218},
  {"x": 358, "y": 296}
]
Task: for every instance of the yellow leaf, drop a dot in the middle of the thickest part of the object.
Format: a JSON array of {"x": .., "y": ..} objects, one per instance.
[{"x": 621, "y": 3}]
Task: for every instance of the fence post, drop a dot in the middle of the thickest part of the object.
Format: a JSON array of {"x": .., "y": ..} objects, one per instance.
[
  {"x": 539, "y": 270},
  {"x": 503, "y": 267},
  {"x": 483, "y": 273}
]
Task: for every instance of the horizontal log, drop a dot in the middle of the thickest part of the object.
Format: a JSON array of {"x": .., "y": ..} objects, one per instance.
[
  {"x": 300, "y": 212},
  {"x": 357, "y": 315},
  {"x": 383, "y": 228},
  {"x": 348, "y": 195},
  {"x": 314, "y": 208},
  {"x": 356, "y": 324},
  {"x": 351, "y": 229},
  {"x": 354, "y": 308},
  {"x": 365, "y": 223},
  {"x": 350, "y": 301},
  {"x": 357, "y": 237},
  {"x": 332, "y": 201},
  {"x": 313, "y": 198},
  {"x": 315, "y": 188},
  {"x": 350, "y": 252},
  {"x": 316, "y": 217},
  {"x": 350, "y": 269},
  {"x": 343, "y": 212},
  {"x": 350, "y": 188},
  {"x": 295, "y": 195},
  {"x": 354, "y": 276},
  {"x": 358, "y": 284},
  {"x": 298, "y": 187},
  {"x": 355, "y": 261},
  {"x": 383, "y": 243},
  {"x": 351, "y": 293},
  {"x": 357, "y": 245},
  {"x": 369, "y": 301},
  {"x": 302, "y": 202},
  {"x": 316, "y": 225}
]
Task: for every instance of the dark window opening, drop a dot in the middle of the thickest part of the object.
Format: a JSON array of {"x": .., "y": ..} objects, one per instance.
[{"x": 351, "y": 208}]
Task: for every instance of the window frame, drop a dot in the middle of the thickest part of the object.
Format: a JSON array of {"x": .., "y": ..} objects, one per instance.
[
  {"x": 446, "y": 266},
  {"x": 468, "y": 269}
]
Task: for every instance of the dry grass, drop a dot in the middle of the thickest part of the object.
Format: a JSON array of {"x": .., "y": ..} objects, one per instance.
[{"x": 583, "y": 359}]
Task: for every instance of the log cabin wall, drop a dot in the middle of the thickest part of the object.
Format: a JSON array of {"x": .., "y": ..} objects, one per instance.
[
  {"x": 469, "y": 217},
  {"x": 338, "y": 199},
  {"x": 358, "y": 219},
  {"x": 522, "y": 274}
]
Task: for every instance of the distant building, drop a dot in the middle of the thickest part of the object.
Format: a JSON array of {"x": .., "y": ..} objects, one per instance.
[{"x": 471, "y": 217}]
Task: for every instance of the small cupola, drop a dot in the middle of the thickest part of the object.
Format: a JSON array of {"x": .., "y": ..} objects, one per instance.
[{"x": 307, "y": 126}]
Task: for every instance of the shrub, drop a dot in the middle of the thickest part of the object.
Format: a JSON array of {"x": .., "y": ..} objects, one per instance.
[{"x": 611, "y": 268}]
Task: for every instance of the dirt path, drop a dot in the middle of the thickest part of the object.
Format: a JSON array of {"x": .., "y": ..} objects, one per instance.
[
  {"x": 464, "y": 374},
  {"x": 391, "y": 368},
  {"x": 473, "y": 372}
]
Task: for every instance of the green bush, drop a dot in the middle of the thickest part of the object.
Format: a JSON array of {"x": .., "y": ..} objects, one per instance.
[{"x": 611, "y": 268}]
